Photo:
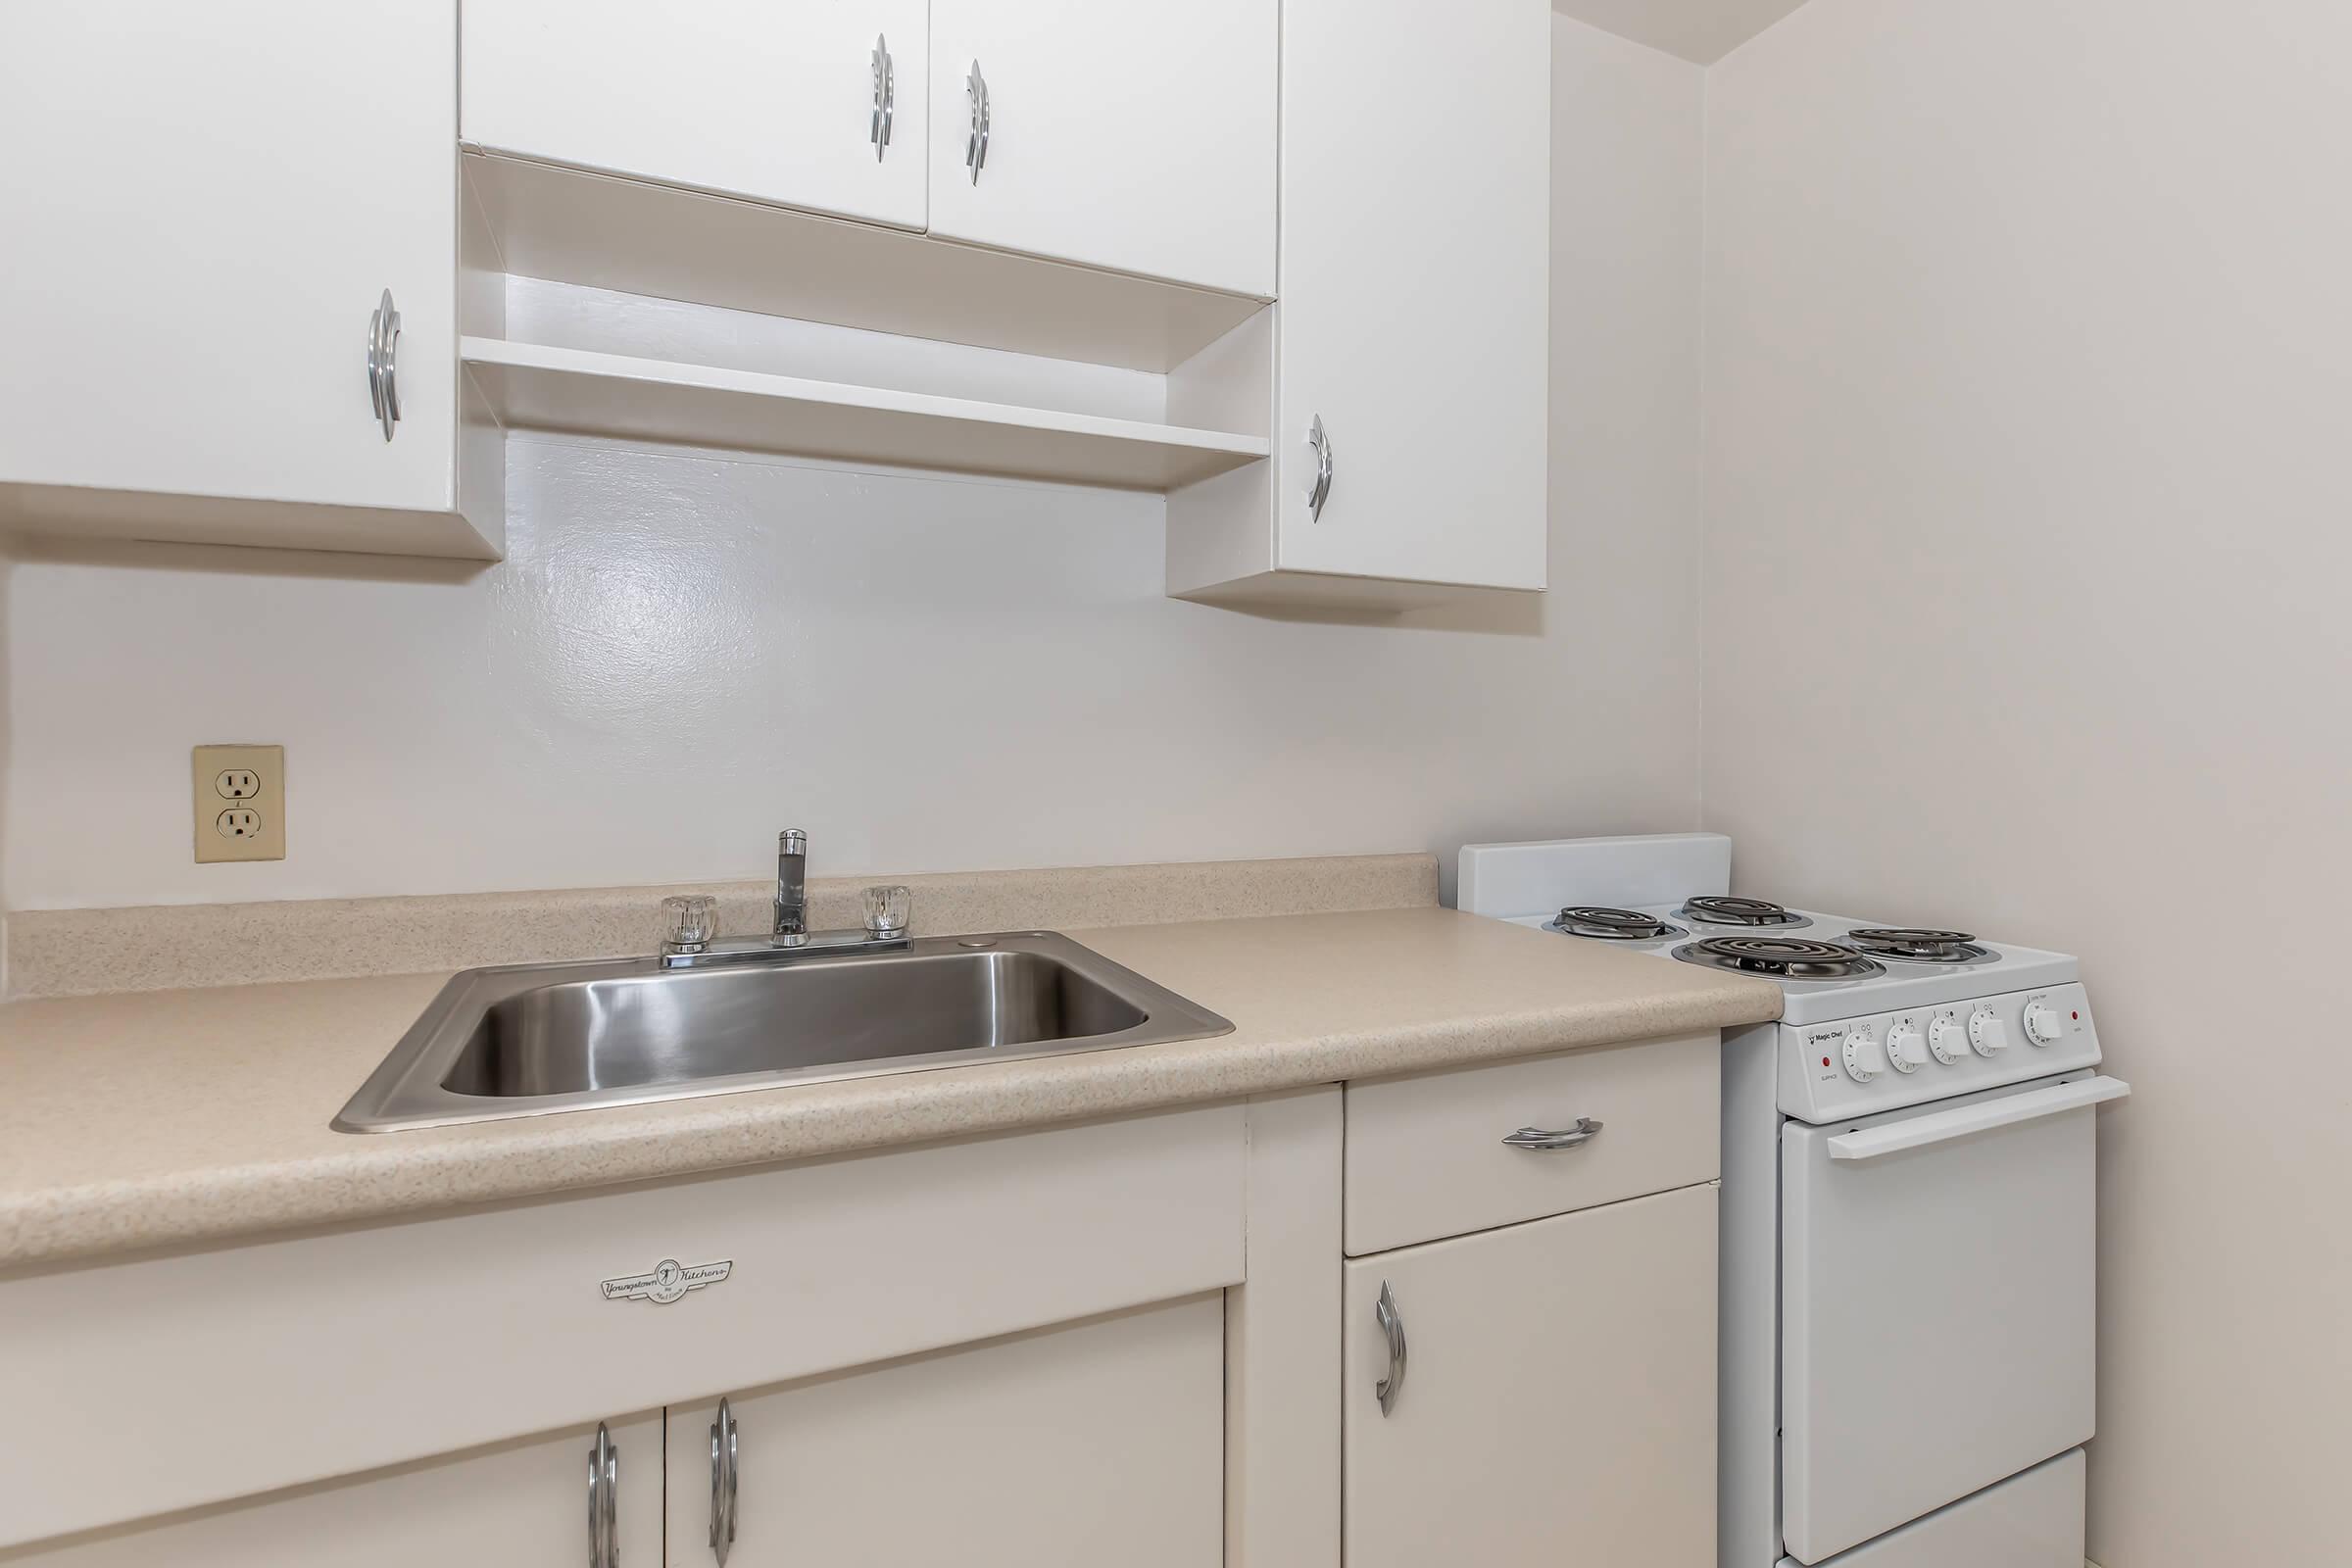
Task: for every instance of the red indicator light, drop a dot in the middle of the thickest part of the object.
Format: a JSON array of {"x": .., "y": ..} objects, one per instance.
[
  {"x": 2075, "y": 1015},
  {"x": 1825, "y": 1061}
]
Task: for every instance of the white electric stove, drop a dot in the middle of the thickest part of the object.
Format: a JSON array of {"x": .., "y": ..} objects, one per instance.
[{"x": 1908, "y": 1227}]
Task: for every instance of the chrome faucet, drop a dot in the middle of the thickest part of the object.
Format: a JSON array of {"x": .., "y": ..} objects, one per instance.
[
  {"x": 792, "y": 888},
  {"x": 690, "y": 920}
]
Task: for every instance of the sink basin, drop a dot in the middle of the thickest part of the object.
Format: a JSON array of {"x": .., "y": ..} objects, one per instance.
[{"x": 528, "y": 1039}]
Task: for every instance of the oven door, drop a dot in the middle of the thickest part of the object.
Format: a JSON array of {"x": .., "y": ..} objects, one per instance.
[
  {"x": 2028, "y": 1521},
  {"x": 1936, "y": 1280}
]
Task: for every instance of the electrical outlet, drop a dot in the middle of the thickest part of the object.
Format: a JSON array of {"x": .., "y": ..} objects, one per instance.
[{"x": 240, "y": 803}]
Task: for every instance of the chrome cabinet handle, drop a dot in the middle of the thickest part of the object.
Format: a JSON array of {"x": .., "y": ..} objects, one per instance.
[
  {"x": 1391, "y": 1324},
  {"x": 383, "y": 364},
  {"x": 722, "y": 1483},
  {"x": 886, "y": 97},
  {"x": 1582, "y": 1132},
  {"x": 1318, "y": 488},
  {"x": 975, "y": 146},
  {"x": 604, "y": 1502}
]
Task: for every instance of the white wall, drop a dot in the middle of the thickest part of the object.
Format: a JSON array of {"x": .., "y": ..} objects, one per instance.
[
  {"x": 2028, "y": 375},
  {"x": 1704, "y": 30},
  {"x": 685, "y": 653}
]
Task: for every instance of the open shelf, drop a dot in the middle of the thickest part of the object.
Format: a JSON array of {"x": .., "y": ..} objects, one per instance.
[
  {"x": 635, "y": 236},
  {"x": 535, "y": 387}
]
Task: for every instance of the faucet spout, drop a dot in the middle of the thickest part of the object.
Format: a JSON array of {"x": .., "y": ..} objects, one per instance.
[{"x": 792, "y": 888}]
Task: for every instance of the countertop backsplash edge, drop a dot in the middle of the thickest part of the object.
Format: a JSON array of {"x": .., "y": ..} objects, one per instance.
[{"x": 72, "y": 953}]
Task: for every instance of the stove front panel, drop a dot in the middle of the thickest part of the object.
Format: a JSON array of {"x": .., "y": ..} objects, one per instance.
[{"x": 1966, "y": 1046}]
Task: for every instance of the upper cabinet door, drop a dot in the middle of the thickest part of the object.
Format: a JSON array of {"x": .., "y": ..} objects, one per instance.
[
  {"x": 204, "y": 206},
  {"x": 1137, "y": 135},
  {"x": 820, "y": 103},
  {"x": 1416, "y": 159}
]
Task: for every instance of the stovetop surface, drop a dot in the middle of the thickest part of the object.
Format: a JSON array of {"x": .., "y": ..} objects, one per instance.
[
  {"x": 1683, "y": 881},
  {"x": 1882, "y": 981}
]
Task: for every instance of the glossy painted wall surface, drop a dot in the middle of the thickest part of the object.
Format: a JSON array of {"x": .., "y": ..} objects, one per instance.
[
  {"x": 685, "y": 653},
  {"x": 2028, "y": 372}
]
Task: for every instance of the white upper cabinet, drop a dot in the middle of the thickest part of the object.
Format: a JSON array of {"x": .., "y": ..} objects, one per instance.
[
  {"x": 1137, "y": 135},
  {"x": 1412, "y": 328},
  {"x": 820, "y": 103},
  {"x": 1416, "y": 156},
  {"x": 204, "y": 208}
]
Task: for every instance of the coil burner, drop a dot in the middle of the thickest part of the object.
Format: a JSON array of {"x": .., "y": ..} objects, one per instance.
[
  {"x": 1781, "y": 957},
  {"x": 1722, "y": 908},
  {"x": 1614, "y": 925},
  {"x": 1918, "y": 944}
]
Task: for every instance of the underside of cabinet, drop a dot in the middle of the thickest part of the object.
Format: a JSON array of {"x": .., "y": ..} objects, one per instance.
[
  {"x": 636, "y": 236},
  {"x": 162, "y": 517},
  {"x": 638, "y": 311},
  {"x": 1275, "y": 589}
]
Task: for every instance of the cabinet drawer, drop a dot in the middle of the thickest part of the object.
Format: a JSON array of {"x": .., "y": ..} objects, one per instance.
[{"x": 1426, "y": 1155}]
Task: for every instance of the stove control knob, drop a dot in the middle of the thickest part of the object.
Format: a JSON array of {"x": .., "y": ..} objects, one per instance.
[
  {"x": 1865, "y": 1059},
  {"x": 1906, "y": 1048},
  {"x": 2045, "y": 1025},
  {"x": 1988, "y": 1033},
  {"x": 1947, "y": 1040}
]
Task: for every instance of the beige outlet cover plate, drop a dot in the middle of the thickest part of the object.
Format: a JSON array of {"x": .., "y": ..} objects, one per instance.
[{"x": 218, "y": 794}]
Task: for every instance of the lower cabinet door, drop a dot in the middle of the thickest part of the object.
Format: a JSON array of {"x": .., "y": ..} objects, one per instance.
[
  {"x": 523, "y": 1504},
  {"x": 1552, "y": 1393},
  {"x": 1094, "y": 1442}
]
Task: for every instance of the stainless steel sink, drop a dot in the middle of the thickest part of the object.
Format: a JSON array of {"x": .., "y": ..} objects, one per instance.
[{"x": 529, "y": 1038}]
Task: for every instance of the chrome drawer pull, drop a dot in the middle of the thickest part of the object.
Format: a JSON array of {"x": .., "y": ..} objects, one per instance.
[
  {"x": 1391, "y": 1324},
  {"x": 1318, "y": 488},
  {"x": 1583, "y": 1132},
  {"x": 604, "y": 1502},
  {"x": 886, "y": 97},
  {"x": 383, "y": 364},
  {"x": 722, "y": 1483},
  {"x": 975, "y": 145}
]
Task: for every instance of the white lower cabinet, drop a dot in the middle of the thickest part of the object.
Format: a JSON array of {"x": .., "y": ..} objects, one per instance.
[
  {"x": 1099, "y": 1442},
  {"x": 1552, "y": 1395},
  {"x": 514, "y": 1505},
  {"x": 1089, "y": 1443},
  {"x": 1108, "y": 1342}
]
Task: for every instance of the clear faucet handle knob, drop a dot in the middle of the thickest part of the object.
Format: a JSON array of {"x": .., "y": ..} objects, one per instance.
[
  {"x": 887, "y": 910},
  {"x": 689, "y": 922}
]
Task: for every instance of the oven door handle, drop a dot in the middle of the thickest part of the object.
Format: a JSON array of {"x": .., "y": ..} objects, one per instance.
[{"x": 1984, "y": 1115}]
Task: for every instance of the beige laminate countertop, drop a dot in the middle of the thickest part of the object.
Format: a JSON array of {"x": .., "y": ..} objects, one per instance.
[{"x": 168, "y": 1117}]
